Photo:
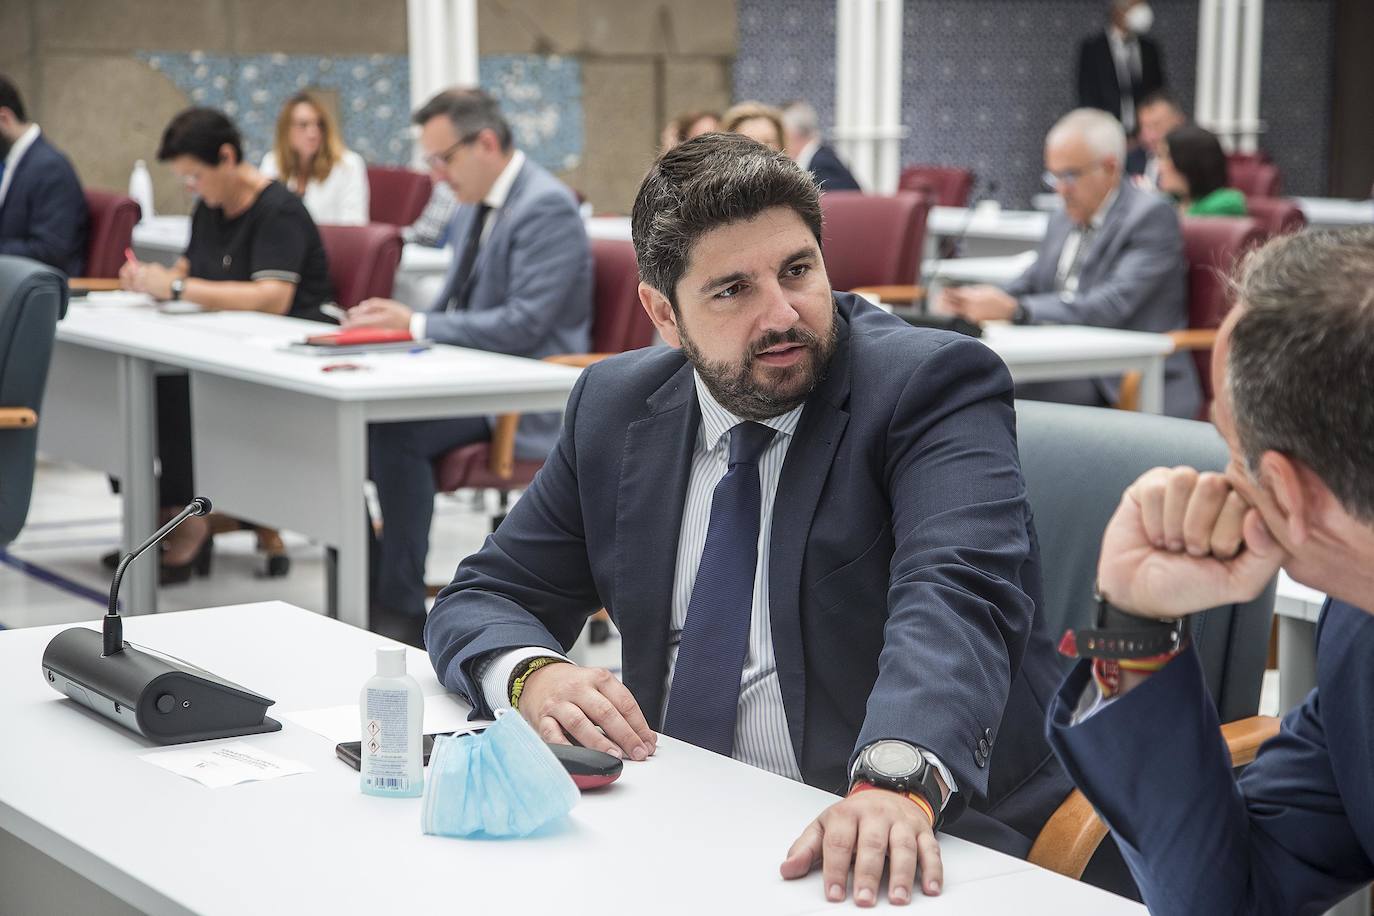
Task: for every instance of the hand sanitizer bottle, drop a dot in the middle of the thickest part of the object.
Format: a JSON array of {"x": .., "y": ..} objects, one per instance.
[
  {"x": 392, "y": 710},
  {"x": 141, "y": 189}
]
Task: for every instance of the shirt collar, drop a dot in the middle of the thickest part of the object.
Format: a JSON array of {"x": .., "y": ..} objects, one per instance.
[
  {"x": 500, "y": 188},
  {"x": 1100, "y": 216},
  {"x": 808, "y": 152},
  {"x": 716, "y": 421},
  {"x": 21, "y": 146}
]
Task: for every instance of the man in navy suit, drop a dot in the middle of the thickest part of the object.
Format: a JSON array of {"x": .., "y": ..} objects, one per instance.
[
  {"x": 42, "y": 209},
  {"x": 804, "y": 143},
  {"x": 807, "y": 520},
  {"x": 1119, "y": 66},
  {"x": 521, "y": 283},
  {"x": 1295, "y": 833}
]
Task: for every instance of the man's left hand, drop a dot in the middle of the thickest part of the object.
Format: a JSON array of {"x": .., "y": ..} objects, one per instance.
[
  {"x": 863, "y": 831},
  {"x": 979, "y": 303},
  {"x": 379, "y": 313}
]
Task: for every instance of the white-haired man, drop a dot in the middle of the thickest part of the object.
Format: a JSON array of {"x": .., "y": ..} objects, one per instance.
[
  {"x": 1112, "y": 257},
  {"x": 806, "y": 146}
]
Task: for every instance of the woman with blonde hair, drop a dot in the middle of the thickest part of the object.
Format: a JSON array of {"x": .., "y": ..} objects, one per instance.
[
  {"x": 309, "y": 157},
  {"x": 756, "y": 121}
]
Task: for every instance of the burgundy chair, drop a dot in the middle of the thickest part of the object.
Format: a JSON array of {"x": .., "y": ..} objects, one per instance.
[
  {"x": 362, "y": 261},
  {"x": 873, "y": 240},
  {"x": 1253, "y": 175},
  {"x": 618, "y": 324},
  {"x": 113, "y": 217},
  {"x": 946, "y": 185},
  {"x": 398, "y": 196},
  {"x": 1276, "y": 215},
  {"x": 1213, "y": 246}
]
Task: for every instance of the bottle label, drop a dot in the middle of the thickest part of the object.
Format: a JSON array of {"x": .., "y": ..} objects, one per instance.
[{"x": 384, "y": 740}]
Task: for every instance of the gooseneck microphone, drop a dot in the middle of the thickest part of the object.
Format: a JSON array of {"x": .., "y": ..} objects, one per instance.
[
  {"x": 162, "y": 698},
  {"x": 950, "y": 247},
  {"x": 114, "y": 625}
]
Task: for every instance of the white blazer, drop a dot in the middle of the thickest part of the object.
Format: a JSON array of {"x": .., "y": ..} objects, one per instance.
[{"x": 342, "y": 199}]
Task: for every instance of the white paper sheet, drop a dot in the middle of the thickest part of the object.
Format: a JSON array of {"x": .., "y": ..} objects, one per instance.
[
  {"x": 444, "y": 712},
  {"x": 225, "y": 764}
]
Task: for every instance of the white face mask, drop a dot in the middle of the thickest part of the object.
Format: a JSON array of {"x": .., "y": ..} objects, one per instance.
[{"x": 1140, "y": 18}]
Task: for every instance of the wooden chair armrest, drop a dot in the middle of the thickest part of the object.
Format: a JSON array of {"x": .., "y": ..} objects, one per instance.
[
  {"x": 1194, "y": 338},
  {"x": 93, "y": 284},
  {"x": 501, "y": 454},
  {"x": 1244, "y": 737},
  {"x": 900, "y": 294},
  {"x": 1128, "y": 396},
  {"x": 17, "y": 418},
  {"x": 1070, "y": 837}
]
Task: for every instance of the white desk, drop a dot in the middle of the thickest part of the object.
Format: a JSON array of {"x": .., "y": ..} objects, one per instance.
[
  {"x": 685, "y": 832},
  {"x": 1041, "y": 353},
  {"x": 1331, "y": 213},
  {"x": 1297, "y": 608},
  {"x": 275, "y": 438},
  {"x": 985, "y": 232},
  {"x": 999, "y": 271}
]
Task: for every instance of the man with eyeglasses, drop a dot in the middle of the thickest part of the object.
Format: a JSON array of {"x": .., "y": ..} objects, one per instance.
[
  {"x": 520, "y": 283},
  {"x": 1112, "y": 257}
]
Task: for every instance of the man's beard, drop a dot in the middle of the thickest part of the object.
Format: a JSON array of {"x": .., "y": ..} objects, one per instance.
[{"x": 733, "y": 384}]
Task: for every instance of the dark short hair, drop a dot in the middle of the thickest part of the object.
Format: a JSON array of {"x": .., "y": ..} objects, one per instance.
[
  {"x": 1197, "y": 155},
  {"x": 1161, "y": 97},
  {"x": 705, "y": 183},
  {"x": 1301, "y": 365},
  {"x": 470, "y": 110},
  {"x": 199, "y": 133},
  {"x": 9, "y": 97}
]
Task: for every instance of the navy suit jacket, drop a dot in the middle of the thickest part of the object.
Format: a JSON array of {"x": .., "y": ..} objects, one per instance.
[
  {"x": 830, "y": 173},
  {"x": 530, "y": 290},
  {"x": 903, "y": 564},
  {"x": 44, "y": 214},
  {"x": 1098, "y": 86},
  {"x": 1293, "y": 835}
]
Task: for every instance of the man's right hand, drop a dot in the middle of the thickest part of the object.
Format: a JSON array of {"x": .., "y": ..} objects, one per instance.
[
  {"x": 591, "y": 706},
  {"x": 1183, "y": 541}
]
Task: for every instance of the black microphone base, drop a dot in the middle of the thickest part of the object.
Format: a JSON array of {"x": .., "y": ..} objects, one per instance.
[{"x": 161, "y": 698}]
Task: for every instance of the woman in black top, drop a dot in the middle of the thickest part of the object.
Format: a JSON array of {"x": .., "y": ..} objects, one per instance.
[{"x": 253, "y": 248}]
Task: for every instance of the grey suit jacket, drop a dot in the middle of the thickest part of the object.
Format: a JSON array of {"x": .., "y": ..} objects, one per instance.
[
  {"x": 530, "y": 292},
  {"x": 1133, "y": 276}
]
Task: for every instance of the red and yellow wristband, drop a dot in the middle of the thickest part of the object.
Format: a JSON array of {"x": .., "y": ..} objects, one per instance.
[{"x": 918, "y": 799}]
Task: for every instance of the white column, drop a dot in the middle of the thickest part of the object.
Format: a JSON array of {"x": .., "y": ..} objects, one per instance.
[
  {"x": 1228, "y": 71},
  {"x": 868, "y": 90},
  {"x": 443, "y": 46}
]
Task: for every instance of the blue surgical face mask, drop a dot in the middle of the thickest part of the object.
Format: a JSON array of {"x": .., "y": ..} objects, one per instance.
[{"x": 498, "y": 783}]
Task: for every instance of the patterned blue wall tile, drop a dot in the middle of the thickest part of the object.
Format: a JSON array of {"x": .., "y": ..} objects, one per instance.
[
  {"x": 787, "y": 51},
  {"x": 1296, "y": 86},
  {"x": 542, "y": 97}
]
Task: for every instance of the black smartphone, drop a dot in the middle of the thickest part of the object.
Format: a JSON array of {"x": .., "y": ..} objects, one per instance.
[{"x": 589, "y": 769}]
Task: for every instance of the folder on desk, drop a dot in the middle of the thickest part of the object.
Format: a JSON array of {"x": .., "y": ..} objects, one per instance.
[{"x": 360, "y": 340}]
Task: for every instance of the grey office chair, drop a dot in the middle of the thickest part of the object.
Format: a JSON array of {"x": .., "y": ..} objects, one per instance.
[
  {"x": 1077, "y": 462},
  {"x": 33, "y": 297}
]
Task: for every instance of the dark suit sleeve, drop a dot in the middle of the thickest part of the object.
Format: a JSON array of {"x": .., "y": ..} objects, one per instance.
[
  {"x": 1154, "y": 765},
  {"x": 56, "y": 233},
  {"x": 529, "y": 585},
  {"x": 1090, "y": 93},
  {"x": 545, "y": 262},
  {"x": 1151, "y": 254},
  {"x": 958, "y": 619}
]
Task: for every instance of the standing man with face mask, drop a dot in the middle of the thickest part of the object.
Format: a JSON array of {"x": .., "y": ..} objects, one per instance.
[
  {"x": 1120, "y": 66},
  {"x": 807, "y": 520}
]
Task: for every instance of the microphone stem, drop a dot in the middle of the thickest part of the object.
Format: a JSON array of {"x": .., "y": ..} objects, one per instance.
[{"x": 113, "y": 625}]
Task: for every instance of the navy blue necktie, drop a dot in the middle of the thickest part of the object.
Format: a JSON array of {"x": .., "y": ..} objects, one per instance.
[
  {"x": 703, "y": 701},
  {"x": 462, "y": 278}
]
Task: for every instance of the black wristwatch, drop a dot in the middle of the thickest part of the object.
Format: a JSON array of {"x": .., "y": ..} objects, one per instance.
[
  {"x": 900, "y": 767},
  {"x": 178, "y": 286},
  {"x": 1022, "y": 314},
  {"x": 1120, "y": 634}
]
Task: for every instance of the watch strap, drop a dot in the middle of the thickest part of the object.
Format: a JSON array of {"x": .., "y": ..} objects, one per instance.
[{"x": 1122, "y": 635}]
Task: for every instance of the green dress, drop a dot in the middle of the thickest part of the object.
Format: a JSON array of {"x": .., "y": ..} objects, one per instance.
[{"x": 1221, "y": 202}]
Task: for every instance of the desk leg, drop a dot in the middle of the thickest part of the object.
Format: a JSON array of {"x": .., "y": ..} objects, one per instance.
[
  {"x": 347, "y": 563},
  {"x": 1297, "y": 661},
  {"x": 138, "y": 483},
  {"x": 1152, "y": 387}
]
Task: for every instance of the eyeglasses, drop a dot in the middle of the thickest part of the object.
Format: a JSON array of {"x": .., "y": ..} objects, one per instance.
[
  {"x": 1067, "y": 178},
  {"x": 439, "y": 161}
]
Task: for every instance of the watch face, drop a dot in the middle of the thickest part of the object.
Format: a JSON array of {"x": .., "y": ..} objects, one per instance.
[{"x": 893, "y": 758}]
